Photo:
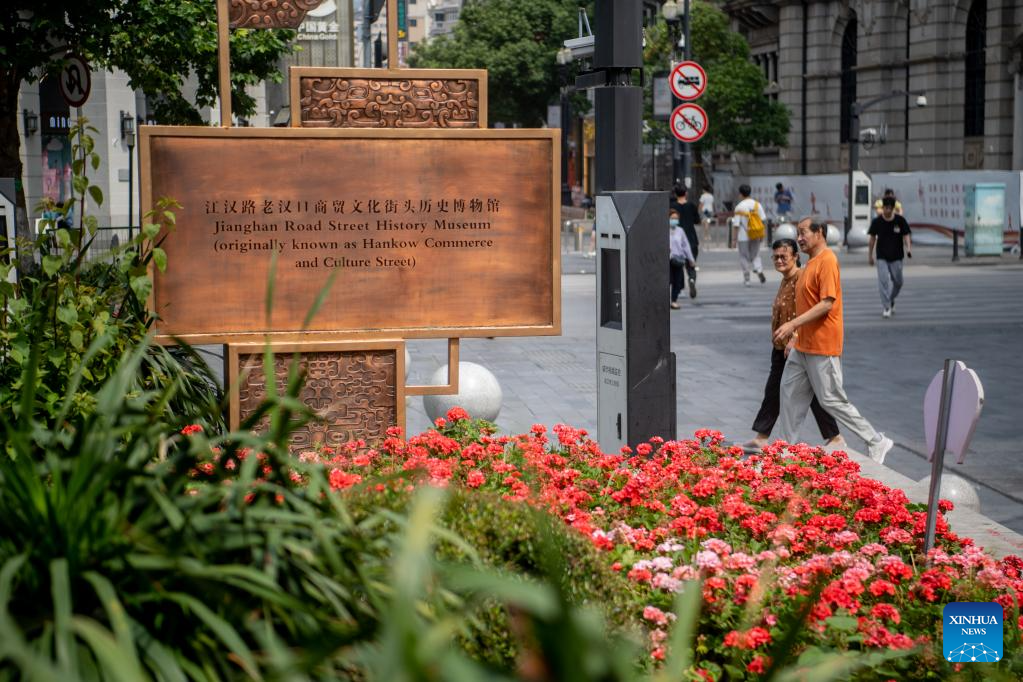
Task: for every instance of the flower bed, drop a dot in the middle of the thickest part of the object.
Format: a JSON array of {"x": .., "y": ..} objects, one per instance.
[{"x": 764, "y": 533}]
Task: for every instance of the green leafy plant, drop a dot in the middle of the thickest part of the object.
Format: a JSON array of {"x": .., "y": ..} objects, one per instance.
[{"x": 59, "y": 307}]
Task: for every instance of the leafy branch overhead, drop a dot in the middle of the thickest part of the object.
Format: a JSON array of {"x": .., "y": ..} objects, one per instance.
[
  {"x": 158, "y": 43},
  {"x": 516, "y": 43}
]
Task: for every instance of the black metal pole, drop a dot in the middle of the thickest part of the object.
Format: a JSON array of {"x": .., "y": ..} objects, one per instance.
[
  {"x": 854, "y": 162},
  {"x": 566, "y": 125},
  {"x": 131, "y": 189},
  {"x": 677, "y": 165},
  {"x": 938, "y": 456},
  {"x": 687, "y": 148}
]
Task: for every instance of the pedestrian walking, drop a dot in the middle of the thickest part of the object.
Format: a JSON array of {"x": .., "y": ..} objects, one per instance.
[
  {"x": 750, "y": 219},
  {"x": 814, "y": 365},
  {"x": 688, "y": 216},
  {"x": 785, "y": 256},
  {"x": 890, "y": 234},
  {"x": 783, "y": 202},
  {"x": 679, "y": 255},
  {"x": 707, "y": 210}
]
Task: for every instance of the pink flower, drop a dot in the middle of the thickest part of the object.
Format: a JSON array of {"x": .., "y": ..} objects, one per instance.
[
  {"x": 655, "y": 615},
  {"x": 708, "y": 560}
]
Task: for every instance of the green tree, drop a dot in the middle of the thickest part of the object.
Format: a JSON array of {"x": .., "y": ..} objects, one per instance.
[
  {"x": 516, "y": 43},
  {"x": 158, "y": 43},
  {"x": 741, "y": 117}
]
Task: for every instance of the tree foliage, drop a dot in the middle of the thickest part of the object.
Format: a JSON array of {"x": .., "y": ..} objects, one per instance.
[
  {"x": 516, "y": 42},
  {"x": 741, "y": 117},
  {"x": 158, "y": 43}
]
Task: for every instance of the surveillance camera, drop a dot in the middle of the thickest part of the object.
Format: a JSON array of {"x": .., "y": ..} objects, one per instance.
[{"x": 921, "y": 101}]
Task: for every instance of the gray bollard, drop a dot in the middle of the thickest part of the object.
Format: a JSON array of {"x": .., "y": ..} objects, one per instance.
[{"x": 479, "y": 393}]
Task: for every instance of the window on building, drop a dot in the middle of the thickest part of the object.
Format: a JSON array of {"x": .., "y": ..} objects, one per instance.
[
  {"x": 973, "y": 111},
  {"x": 412, "y": 22},
  {"x": 438, "y": 17},
  {"x": 848, "y": 86},
  {"x": 767, "y": 62}
]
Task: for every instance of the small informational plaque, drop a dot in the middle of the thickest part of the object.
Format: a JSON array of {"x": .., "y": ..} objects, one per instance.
[{"x": 432, "y": 233}]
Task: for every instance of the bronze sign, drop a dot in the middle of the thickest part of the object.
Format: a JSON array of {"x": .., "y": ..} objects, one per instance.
[
  {"x": 433, "y": 233},
  {"x": 375, "y": 98},
  {"x": 269, "y": 13},
  {"x": 356, "y": 389}
]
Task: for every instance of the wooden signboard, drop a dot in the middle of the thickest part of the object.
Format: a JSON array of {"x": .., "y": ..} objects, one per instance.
[
  {"x": 331, "y": 97},
  {"x": 355, "y": 388},
  {"x": 435, "y": 233}
]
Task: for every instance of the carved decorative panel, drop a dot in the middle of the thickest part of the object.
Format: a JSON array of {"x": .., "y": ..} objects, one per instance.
[
  {"x": 354, "y": 391},
  {"x": 352, "y": 102},
  {"x": 269, "y": 13}
]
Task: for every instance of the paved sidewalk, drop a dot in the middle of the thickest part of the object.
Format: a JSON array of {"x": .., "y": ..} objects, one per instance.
[{"x": 722, "y": 345}]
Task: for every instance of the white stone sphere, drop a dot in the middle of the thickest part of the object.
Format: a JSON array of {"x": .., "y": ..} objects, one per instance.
[
  {"x": 834, "y": 235},
  {"x": 955, "y": 489},
  {"x": 479, "y": 393},
  {"x": 784, "y": 231}
]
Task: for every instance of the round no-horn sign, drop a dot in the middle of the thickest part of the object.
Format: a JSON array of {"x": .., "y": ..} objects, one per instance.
[
  {"x": 689, "y": 122},
  {"x": 75, "y": 80},
  {"x": 688, "y": 80}
]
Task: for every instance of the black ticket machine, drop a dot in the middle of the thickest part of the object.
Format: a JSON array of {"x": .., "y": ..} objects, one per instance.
[{"x": 635, "y": 366}]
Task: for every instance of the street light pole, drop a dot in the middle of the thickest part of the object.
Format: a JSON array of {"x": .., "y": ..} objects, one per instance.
[
  {"x": 687, "y": 148},
  {"x": 671, "y": 16},
  {"x": 128, "y": 135},
  {"x": 855, "y": 110},
  {"x": 564, "y": 58}
]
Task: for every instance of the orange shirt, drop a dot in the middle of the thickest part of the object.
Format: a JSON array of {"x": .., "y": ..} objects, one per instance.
[{"x": 820, "y": 280}]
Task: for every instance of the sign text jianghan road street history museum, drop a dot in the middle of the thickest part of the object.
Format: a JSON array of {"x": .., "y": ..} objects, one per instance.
[{"x": 434, "y": 233}]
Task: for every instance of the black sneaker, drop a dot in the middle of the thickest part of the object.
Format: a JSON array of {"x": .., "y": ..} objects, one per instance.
[
  {"x": 692, "y": 287},
  {"x": 763, "y": 278}
]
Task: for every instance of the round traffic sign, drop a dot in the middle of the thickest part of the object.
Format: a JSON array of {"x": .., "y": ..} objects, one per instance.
[
  {"x": 75, "y": 80},
  {"x": 689, "y": 122},
  {"x": 688, "y": 80}
]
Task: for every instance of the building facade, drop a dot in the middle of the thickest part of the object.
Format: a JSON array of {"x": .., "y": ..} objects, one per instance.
[{"x": 820, "y": 56}]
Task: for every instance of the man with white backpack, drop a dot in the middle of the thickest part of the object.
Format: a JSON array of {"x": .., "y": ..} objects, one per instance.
[{"x": 750, "y": 219}]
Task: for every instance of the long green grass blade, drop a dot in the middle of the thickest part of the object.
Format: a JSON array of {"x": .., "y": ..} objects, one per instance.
[
  {"x": 223, "y": 630},
  {"x": 683, "y": 633},
  {"x": 112, "y": 660},
  {"x": 115, "y": 613},
  {"x": 60, "y": 588}
]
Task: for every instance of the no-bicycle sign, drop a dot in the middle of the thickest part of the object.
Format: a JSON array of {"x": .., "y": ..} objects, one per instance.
[{"x": 688, "y": 122}]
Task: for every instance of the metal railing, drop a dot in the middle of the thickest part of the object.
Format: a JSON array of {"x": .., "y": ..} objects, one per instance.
[{"x": 104, "y": 241}]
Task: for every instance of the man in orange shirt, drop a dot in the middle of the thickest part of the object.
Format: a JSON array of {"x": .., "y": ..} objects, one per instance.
[{"x": 814, "y": 365}]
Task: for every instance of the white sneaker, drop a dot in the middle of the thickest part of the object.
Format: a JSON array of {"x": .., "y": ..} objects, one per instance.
[
  {"x": 886, "y": 313},
  {"x": 879, "y": 450}
]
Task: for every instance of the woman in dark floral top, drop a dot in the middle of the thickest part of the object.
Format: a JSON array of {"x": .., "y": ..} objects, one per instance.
[{"x": 785, "y": 257}]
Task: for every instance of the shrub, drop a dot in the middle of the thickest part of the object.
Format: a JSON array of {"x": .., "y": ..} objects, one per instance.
[
  {"x": 55, "y": 311},
  {"x": 503, "y": 536},
  {"x": 765, "y": 535}
]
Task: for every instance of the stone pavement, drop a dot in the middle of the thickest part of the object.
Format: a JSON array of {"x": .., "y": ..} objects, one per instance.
[{"x": 969, "y": 311}]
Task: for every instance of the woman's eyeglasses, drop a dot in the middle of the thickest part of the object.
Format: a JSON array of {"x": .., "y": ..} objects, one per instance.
[{"x": 781, "y": 257}]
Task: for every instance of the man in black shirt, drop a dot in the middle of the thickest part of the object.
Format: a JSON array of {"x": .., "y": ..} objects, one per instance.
[
  {"x": 688, "y": 218},
  {"x": 889, "y": 233}
]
